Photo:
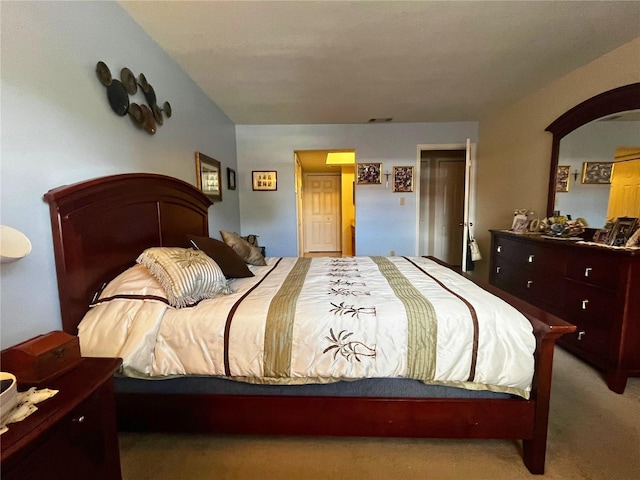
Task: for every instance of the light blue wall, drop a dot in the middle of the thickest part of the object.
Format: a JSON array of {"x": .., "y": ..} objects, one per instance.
[
  {"x": 382, "y": 224},
  {"x": 57, "y": 128}
]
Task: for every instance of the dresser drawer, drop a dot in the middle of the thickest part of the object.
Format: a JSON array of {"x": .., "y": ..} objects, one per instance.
[
  {"x": 601, "y": 270},
  {"x": 589, "y": 303},
  {"x": 594, "y": 312},
  {"x": 512, "y": 250},
  {"x": 532, "y": 284},
  {"x": 521, "y": 252},
  {"x": 592, "y": 342}
]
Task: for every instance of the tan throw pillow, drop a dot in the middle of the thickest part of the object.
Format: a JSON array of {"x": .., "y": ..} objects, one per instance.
[
  {"x": 247, "y": 252},
  {"x": 229, "y": 261},
  {"x": 186, "y": 275}
]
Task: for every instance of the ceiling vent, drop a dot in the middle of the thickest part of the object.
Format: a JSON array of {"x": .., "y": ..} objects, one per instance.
[{"x": 380, "y": 120}]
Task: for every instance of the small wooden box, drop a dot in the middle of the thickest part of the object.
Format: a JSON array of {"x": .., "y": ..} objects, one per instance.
[{"x": 42, "y": 358}]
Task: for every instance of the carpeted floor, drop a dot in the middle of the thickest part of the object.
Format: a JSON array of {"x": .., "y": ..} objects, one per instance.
[{"x": 594, "y": 434}]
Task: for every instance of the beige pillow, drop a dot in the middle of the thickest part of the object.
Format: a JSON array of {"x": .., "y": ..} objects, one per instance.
[
  {"x": 186, "y": 275},
  {"x": 247, "y": 252}
]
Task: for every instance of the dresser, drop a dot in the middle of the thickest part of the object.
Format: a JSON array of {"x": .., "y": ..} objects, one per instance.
[
  {"x": 595, "y": 288},
  {"x": 73, "y": 434}
]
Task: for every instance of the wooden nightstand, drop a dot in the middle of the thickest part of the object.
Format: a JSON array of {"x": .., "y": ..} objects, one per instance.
[{"x": 73, "y": 434}]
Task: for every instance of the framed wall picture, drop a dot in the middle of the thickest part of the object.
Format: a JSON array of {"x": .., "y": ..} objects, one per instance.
[
  {"x": 562, "y": 178},
  {"x": 403, "y": 179},
  {"x": 368, "y": 173},
  {"x": 208, "y": 176},
  {"x": 622, "y": 230},
  {"x": 597, "y": 172},
  {"x": 266, "y": 180},
  {"x": 231, "y": 179}
]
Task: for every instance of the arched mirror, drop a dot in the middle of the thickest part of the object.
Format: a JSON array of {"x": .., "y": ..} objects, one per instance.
[{"x": 587, "y": 141}]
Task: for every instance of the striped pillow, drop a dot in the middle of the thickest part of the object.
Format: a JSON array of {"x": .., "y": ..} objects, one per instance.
[{"x": 186, "y": 275}]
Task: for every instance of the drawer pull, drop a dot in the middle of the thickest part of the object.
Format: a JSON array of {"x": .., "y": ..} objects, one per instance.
[
  {"x": 584, "y": 304},
  {"x": 587, "y": 271},
  {"x": 581, "y": 334},
  {"x": 530, "y": 258},
  {"x": 499, "y": 249},
  {"x": 529, "y": 283},
  {"x": 498, "y": 269},
  {"x": 79, "y": 419}
]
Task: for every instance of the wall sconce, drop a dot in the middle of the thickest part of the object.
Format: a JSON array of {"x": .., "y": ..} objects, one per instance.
[
  {"x": 386, "y": 179},
  {"x": 13, "y": 244},
  {"x": 575, "y": 175}
]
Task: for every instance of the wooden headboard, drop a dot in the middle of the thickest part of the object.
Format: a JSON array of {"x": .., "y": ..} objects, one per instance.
[{"x": 100, "y": 226}]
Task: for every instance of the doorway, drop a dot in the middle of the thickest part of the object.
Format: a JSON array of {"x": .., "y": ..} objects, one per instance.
[
  {"x": 442, "y": 204},
  {"x": 325, "y": 204},
  {"x": 321, "y": 213}
]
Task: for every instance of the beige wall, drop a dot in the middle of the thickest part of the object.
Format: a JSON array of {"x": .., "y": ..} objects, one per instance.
[{"x": 514, "y": 150}]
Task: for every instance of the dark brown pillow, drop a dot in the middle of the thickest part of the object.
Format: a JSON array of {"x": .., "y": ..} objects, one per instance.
[{"x": 229, "y": 261}]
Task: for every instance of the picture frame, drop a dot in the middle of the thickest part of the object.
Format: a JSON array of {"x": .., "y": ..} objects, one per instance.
[
  {"x": 597, "y": 173},
  {"x": 622, "y": 230},
  {"x": 601, "y": 236},
  {"x": 208, "y": 176},
  {"x": 634, "y": 239},
  {"x": 231, "y": 179},
  {"x": 264, "y": 180},
  {"x": 368, "y": 173},
  {"x": 562, "y": 178},
  {"x": 403, "y": 179}
]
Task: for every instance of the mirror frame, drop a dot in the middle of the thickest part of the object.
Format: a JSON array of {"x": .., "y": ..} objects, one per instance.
[{"x": 617, "y": 100}]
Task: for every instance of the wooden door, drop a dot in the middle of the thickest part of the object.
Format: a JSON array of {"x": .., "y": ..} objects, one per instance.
[
  {"x": 624, "y": 198},
  {"x": 322, "y": 213},
  {"x": 449, "y": 211}
]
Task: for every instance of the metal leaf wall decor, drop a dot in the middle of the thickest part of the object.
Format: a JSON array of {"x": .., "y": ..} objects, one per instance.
[{"x": 145, "y": 116}]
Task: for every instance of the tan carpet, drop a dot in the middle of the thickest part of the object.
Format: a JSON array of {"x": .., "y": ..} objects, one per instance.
[{"x": 594, "y": 434}]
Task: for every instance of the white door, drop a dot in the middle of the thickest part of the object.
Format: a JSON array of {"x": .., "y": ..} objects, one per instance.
[{"x": 321, "y": 213}]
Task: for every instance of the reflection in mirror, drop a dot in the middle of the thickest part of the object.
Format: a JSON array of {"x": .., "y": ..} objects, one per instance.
[
  {"x": 615, "y": 101},
  {"x": 595, "y": 143}
]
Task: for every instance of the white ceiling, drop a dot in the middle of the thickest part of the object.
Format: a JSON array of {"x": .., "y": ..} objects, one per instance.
[{"x": 333, "y": 62}]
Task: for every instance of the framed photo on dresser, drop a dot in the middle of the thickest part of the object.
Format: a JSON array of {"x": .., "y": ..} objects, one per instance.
[{"x": 623, "y": 228}]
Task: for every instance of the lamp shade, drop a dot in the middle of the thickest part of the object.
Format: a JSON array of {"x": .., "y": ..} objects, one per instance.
[{"x": 13, "y": 244}]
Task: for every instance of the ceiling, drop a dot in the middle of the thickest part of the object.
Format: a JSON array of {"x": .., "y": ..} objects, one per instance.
[{"x": 337, "y": 62}]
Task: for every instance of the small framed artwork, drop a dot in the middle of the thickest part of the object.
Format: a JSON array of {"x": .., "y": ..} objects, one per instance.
[
  {"x": 622, "y": 229},
  {"x": 403, "y": 179},
  {"x": 368, "y": 173},
  {"x": 562, "y": 178},
  {"x": 601, "y": 236},
  {"x": 597, "y": 173},
  {"x": 231, "y": 179},
  {"x": 265, "y": 180},
  {"x": 208, "y": 176}
]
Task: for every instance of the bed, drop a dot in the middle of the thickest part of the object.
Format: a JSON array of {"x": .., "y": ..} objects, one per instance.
[{"x": 101, "y": 226}]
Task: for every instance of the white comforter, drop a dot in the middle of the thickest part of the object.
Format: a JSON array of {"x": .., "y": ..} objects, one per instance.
[{"x": 354, "y": 318}]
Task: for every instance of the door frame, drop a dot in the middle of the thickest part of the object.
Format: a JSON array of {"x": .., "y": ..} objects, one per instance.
[{"x": 471, "y": 188}]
